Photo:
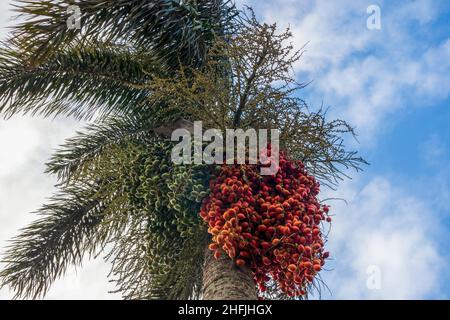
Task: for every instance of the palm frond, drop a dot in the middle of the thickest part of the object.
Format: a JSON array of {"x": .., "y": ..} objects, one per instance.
[
  {"x": 69, "y": 228},
  {"x": 147, "y": 267},
  {"x": 79, "y": 81},
  {"x": 88, "y": 145},
  {"x": 177, "y": 31}
]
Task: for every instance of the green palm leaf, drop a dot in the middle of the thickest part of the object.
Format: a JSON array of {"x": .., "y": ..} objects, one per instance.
[
  {"x": 70, "y": 226},
  {"x": 177, "y": 31},
  {"x": 89, "y": 145},
  {"x": 79, "y": 81}
]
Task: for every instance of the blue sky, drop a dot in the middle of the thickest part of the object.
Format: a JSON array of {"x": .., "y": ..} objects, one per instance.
[{"x": 392, "y": 84}]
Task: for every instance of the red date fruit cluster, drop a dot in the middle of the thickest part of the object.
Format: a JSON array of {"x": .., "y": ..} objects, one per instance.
[{"x": 271, "y": 224}]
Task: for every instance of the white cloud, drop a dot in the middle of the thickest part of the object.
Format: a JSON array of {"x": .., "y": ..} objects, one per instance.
[
  {"x": 18, "y": 141},
  {"x": 436, "y": 83},
  {"x": 26, "y": 144},
  {"x": 384, "y": 226},
  {"x": 366, "y": 75}
]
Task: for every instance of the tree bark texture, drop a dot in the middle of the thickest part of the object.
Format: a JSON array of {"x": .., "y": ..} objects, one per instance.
[{"x": 223, "y": 280}]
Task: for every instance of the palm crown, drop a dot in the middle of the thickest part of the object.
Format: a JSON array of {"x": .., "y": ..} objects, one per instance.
[{"x": 133, "y": 67}]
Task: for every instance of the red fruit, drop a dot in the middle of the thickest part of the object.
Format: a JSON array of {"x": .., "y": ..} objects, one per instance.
[
  {"x": 266, "y": 261},
  {"x": 241, "y": 216},
  {"x": 244, "y": 254},
  {"x": 265, "y": 245},
  {"x": 215, "y": 231},
  {"x": 247, "y": 235},
  {"x": 292, "y": 267},
  {"x": 211, "y": 214},
  {"x": 262, "y": 228},
  {"x": 218, "y": 224},
  {"x": 269, "y": 223},
  {"x": 213, "y": 246},
  {"x": 240, "y": 262},
  {"x": 317, "y": 261},
  {"x": 276, "y": 242},
  {"x": 286, "y": 231}
]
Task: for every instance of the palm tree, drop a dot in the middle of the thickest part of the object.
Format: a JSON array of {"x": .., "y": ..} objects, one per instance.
[{"x": 136, "y": 68}]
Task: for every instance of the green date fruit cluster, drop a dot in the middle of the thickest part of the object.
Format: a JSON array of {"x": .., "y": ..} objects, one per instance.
[{"x": 168, "y": 196}]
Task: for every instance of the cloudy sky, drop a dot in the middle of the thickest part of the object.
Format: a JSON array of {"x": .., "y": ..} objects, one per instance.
[{"x": 393, "y": 84}]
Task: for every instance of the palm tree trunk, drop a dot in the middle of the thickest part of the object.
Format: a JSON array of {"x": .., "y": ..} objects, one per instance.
[{"x": 223, "y": 280}]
